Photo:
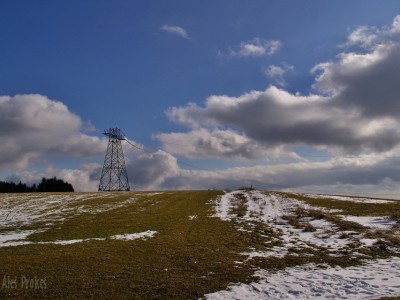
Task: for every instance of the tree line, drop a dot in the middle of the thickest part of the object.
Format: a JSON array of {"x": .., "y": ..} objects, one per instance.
[{"x": 46, "y": 185}]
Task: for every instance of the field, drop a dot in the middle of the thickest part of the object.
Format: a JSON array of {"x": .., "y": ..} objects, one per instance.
[{"x": 246, "y": 244}]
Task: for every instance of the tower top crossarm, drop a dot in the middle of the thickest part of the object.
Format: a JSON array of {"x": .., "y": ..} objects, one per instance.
[{"x": 114, "y": 133}]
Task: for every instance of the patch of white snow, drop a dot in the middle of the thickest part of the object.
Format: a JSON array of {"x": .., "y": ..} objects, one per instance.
[
  {"x": 372, "y": 222},
  {"x": 375, "y": 278},
  {"x": 134, "y": 236}
]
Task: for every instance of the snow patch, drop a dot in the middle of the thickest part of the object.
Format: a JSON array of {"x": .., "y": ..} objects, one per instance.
[
  {"x": 25, "y": 209},
  {"x": 273, "y": 209},
  {"x": 223, "y": 206},
  {"x": 69, "y": 242},
  {"x": 372, "y": 222},
  {"x": 350, "y": 199},
  {"x": 290, "y": 232},
  {"x": 18, "y": 238},
  {"x": 375, "y": 278},
  {"x": 134, "y": 236}
]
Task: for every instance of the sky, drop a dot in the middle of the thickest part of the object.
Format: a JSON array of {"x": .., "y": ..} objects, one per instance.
[{"x": 283, "y": 95}]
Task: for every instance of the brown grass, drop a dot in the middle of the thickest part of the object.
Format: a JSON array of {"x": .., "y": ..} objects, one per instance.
[{"x": 184, "y": 260}]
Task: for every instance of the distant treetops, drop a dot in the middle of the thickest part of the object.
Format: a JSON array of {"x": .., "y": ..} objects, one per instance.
[{"x": 46, "y": 185}]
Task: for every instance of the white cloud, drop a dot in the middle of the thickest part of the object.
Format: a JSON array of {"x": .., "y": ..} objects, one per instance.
[
  {"x": 277, "y": 73},
  {"x": 34, "y": 127},
  {"x": 355, "y": 108},
  {"x": 222, "y": 144},
  {"x": 395, "y": 28},
  {"x": 255, "y": 47},
  {"x": 217, "y": 143},
  {"x": 175, "y": 30},
  {"x": 373, "y": 174},
  {"x": 145, "y": 172},
  {"x": 370, "y": 37},
  {"x": 150, "y": 170},
  {"x": 364, "y": 36},
  {"x": 354, "y": 111},
  {"x": 83, "y": 179}
]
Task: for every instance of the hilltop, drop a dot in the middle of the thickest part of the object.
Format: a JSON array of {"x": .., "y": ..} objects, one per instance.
[{"x": 195, "y": 244}]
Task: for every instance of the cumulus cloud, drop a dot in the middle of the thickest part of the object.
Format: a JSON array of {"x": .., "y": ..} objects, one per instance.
[
  {"x": 146, "y": 171},
  {"x": 366, "y": 82},
  {"x": 34, "y": 126},
  {"x": 369, "y": 37},
  {"x": 255, "y": 48},
  {"x": 175, "y": 30},
  {"x": 275, "y": 117},
  {"x": 217, "y": 143},
  {"x": 352, "y": 113},
  {"x": 84, "y": 179},
  {"x": 35, "y": 129},
  {"x": 371, "y": 174},
  {"x": 277, "y": 73},
  {"x": 364, "y": 36},
  {"x": 367, "y": 174},
  {"x": 150, "y": 170},
  {"x": 355, "y": 108}
]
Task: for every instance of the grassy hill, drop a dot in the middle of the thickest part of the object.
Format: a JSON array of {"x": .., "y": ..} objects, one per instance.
[{"x": 179, "y": 244}]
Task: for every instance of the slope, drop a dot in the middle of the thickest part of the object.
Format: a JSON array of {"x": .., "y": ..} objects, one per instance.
[{"x": 187, "y": 244}]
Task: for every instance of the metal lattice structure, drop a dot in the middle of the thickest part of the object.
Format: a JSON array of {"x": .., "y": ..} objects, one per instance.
[{"x": 114, "y": 176}]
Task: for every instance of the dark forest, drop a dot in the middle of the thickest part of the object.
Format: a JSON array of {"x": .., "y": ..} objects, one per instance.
[{"x": 46, "y": 185}]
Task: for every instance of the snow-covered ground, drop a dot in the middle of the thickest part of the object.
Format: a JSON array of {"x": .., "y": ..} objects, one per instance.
[
  {"x": 351, "y": 199},
  {"x": 373, "y": 278},
  {"x": 25, "y": 209},
  {"x": 372, "y": 222},
  {"x": 273, "y": 210},
  {"x": 19, "y": 210}
]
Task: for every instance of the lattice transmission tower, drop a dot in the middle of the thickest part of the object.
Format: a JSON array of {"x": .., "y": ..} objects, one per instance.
[{"x": 114, "y": 176}]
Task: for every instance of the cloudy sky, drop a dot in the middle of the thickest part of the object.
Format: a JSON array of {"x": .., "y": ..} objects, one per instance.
[{"x": 283, "y": 95}]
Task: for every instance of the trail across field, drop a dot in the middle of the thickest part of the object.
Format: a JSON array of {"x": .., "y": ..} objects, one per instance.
[{"x": 373, "y": 278}]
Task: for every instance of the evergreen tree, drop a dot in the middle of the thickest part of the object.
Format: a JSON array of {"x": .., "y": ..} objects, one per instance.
[
  {"x": 46, "y": 185},
  {"x": 54, "y": 185}
]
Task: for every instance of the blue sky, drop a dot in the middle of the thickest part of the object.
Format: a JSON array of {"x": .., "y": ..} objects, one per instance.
[{"x": 139, "y": 64}]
